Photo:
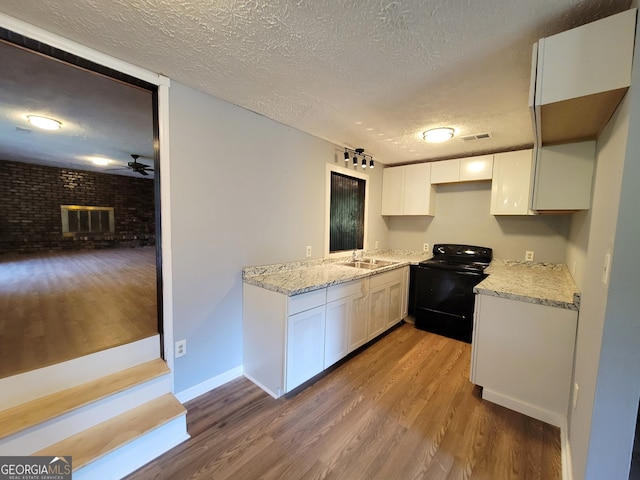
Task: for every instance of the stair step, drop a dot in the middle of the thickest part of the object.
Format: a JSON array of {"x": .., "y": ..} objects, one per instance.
[
  {"x": 96, "y": 442},
  {"x": 34, "y": 412}
]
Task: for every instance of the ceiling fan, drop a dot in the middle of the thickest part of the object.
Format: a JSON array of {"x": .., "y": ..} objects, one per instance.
[{"x": 138, "y": 167}]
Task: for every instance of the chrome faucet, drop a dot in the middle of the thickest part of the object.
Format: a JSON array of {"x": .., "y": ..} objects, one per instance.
[{"x": 355, "y": 255}]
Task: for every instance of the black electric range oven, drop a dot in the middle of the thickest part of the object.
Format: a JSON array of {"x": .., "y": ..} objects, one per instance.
[{"x": 444, "y": 299}]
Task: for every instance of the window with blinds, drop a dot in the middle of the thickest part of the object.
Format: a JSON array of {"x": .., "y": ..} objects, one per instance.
[{"x": 347, "y": 213}]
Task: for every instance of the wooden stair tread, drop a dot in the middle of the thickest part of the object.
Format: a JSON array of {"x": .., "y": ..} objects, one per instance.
[
  {"x": 106, "y": 437},
  {"x": 34, "y": 412}
]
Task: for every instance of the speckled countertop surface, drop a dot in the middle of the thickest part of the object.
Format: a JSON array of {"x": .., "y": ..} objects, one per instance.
[
  {"x": 544, "y": 284},
  {"x": 540, "y": 283},
  {"x": 301, "y": 277}
]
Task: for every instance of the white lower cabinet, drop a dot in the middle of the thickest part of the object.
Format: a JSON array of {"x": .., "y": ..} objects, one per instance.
[
  {"x": 522, "y": 356},
  {"x": 336, "y": 334},
  {"x": 346, "y": 319},
  {"x": 386, "y": 301},
  {"x": 305, "y": 346},
  {"x": 378, "y": 301},
  {"x": 359, "y": 312},
  {"x": 289, "y": 340},
  {"x": 405, "y": 292}
]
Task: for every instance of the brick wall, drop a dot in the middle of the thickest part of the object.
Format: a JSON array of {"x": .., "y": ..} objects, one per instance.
[{"x": 30, "y": 199}]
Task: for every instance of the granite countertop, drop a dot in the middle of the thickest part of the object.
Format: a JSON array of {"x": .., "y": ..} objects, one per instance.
[
  {"x": 540, "y": 283},
  {"x": 295, "y": 278}
]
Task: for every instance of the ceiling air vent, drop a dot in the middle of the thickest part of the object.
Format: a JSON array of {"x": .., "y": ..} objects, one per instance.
[{"x": 478, "y": 136}]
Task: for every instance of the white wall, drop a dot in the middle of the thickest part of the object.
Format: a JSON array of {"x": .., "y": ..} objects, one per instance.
[
  {"x": 592, "y": 235},
  {"x": 608, "y": 343},
  {"x": 618, "y": 387},
  {"x": 462, "y": 216},
  {"x": 245, "y": 190}
]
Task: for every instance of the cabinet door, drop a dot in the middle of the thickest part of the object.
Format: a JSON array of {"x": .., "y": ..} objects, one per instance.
[
  {"x": 394, "y": 304},
  {"x": 393, "y": 190},
  {"x": 405, "y": 292},
  {"x": 336, "y": 331},
  {"x": 511, "y": 185},
  {"x": 593, "y": 58},
  {"x": 378, "y": 301},
  {"x": 524, "y": 352},
  {"x": 446, "y": 171},
  {"x": 359, "y": 313},
  {"x": 564, "y": 175},
  {"x": 419, "y": 194},
  {"x": 476, "y": 168},
  {"x": 305, "y": 346}
]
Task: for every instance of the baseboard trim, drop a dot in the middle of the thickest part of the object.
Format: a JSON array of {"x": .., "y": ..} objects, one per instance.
[
  {"x": 262, "y": 387},
  {"x": 524, "y": 408},
  {"x": 208, "y": 385},
  {"x": 565, "y": 449}
]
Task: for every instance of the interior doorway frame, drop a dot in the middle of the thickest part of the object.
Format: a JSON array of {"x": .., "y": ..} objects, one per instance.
[{"x": 162, "y": 188}]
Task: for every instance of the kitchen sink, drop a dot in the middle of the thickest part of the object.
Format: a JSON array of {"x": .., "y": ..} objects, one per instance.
[{"x": 369, "y": 263}]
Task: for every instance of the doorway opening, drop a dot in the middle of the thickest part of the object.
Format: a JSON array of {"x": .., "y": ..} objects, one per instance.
[{"x": 68, "y": 292}]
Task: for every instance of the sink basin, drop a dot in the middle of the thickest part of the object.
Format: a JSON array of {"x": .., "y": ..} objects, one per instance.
[
  {"x": 379, "y": 263},
  {"x": 368, "y": 263}
]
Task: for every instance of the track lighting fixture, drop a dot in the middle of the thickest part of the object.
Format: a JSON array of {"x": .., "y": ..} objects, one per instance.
[{"x": 358, "y": 152}]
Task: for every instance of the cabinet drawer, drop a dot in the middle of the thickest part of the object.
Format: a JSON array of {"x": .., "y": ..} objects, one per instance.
[
  {"x": 343, "y": 290},
  {"x": 306, "y": 301},
  {"x": 386, "y": 277}
]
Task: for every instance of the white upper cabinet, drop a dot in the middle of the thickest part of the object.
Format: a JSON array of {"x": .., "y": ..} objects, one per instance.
[
  {"x": 445, "y": 171},
  {"x": 419, "y": 195},
  {"x": 462, "y": 169},
  {"x": 551, "y": 179},
  {"x": 563, "y": 177},
  {"x": 579, "y": 77},
  {"x": 511, "y": 186},
  {"x": 476, "y": 168},
  {"x": 393, "y": 191},
  {"x": 407, "y": 190}
]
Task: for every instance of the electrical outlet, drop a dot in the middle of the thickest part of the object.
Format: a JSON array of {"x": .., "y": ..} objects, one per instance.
[
  {"x": 377, "y": 244},
  {"x": 576, "y": 388},
  {"x": 181, "y": 348},
  {"x": 425, "y": 247},
  {"x": 528, "y": 256},
  {"x": 308, "y": 250}
]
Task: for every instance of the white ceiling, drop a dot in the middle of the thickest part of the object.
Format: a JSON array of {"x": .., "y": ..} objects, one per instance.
[{"x": 370, "y": 74}]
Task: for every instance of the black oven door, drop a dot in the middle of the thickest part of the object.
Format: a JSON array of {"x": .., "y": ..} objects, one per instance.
[{"x": 445, "y": 301}]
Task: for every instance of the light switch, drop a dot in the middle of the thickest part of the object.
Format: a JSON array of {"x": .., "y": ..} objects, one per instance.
[{"x": 606, "y": 268}]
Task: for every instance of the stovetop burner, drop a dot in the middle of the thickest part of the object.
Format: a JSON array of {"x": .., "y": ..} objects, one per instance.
[{"x": 460, "y": 257}]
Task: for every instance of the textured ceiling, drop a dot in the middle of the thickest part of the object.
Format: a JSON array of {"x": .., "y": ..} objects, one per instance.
[{"x": 371, "y": 74}]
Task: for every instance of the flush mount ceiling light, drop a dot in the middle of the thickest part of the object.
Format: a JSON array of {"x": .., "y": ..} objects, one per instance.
[
  {"x": 100, "y": 161},
  {"x": 438, "y": 135},
  {"x": 44, "y": 122},
  {"x": 358, "y": 152}
]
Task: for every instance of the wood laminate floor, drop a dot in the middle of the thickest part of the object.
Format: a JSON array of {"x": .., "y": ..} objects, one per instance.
[
  {"x": 59, "y": 306},
  {"x": 402, "y": 409}
]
